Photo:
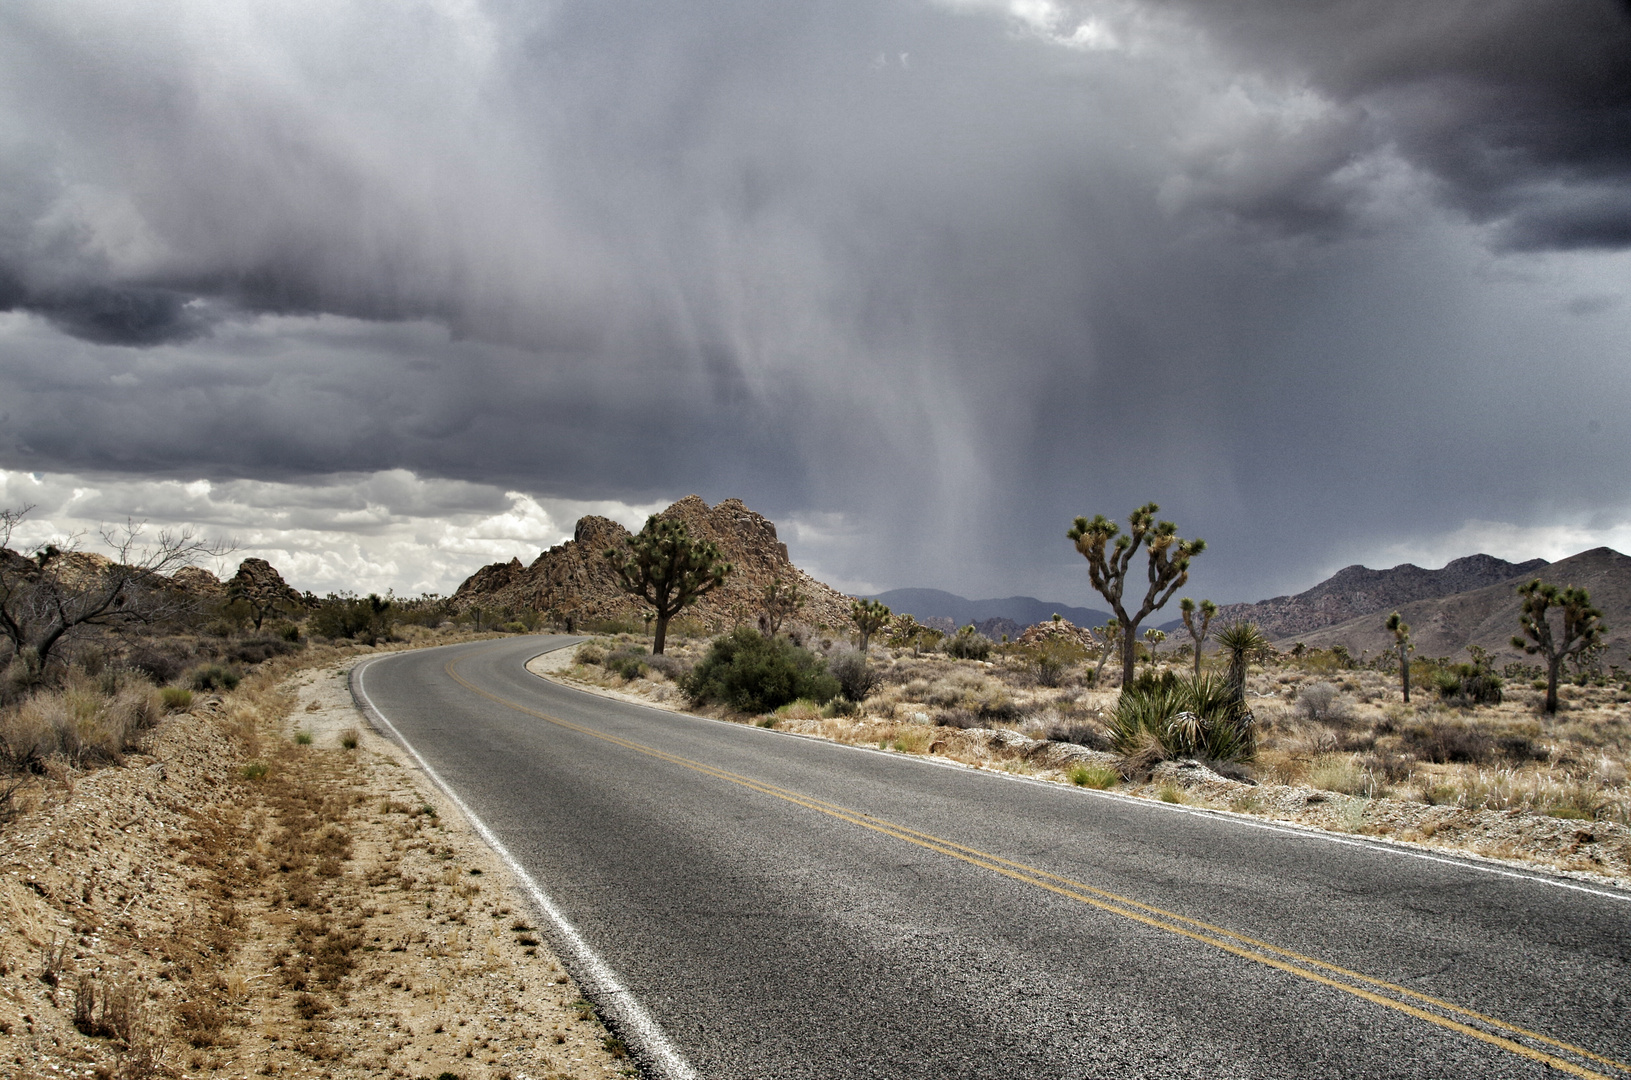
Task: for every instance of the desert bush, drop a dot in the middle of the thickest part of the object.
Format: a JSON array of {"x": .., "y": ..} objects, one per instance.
[
  {"x": 1049, "y": 661},
  {"x": 968, "y": 644},
  {"x": 1079, "y": 732},
  {"x": 215, "y": 677},
  {"x": 590, "y": 652},
  {"x": 958, "y": 718},
  {"x": 1467, "y": 685},
  {"x": 857, "y": 679},
  {"x": 88, "y": 720},
  {"x": 368, "y": 619},
  {"x": 1322, "y": 704},
  {"x": 1098, "y": 777},
  {"x": 1184, "y": 717},
  {"x": 629, "y": 661},
  {"x": 753, "y": 673},
  {"x": 672, "y": 667},
  {"x": 176, "y": 698},
  {"x": 253, "y": 650},
  {"x": 1342, "y": 774},
  {"x": 1446, "y": 742}
]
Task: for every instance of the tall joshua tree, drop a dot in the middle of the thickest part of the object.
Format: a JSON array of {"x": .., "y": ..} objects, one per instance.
[
  {"x": 869, "y": 617},
  {"x": 667, "y": 569},
  {"x": 1207, "y": 610},
  {"x": 779, "y": 603},
  {"x": 1582, "y": 628},
  {"x": 1401, "y": 641},
  {"x": 1107, "y": 569}
]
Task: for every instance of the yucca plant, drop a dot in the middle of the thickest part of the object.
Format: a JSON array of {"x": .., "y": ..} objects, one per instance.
[{"x": 1185, "y": 718}]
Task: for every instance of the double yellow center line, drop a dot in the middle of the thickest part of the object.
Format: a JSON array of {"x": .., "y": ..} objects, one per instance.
[{"x": 1562, "y": 1056}]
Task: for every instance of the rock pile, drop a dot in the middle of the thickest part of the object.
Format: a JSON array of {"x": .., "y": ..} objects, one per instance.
[
  {"x": 1063, "y": 630},
  {"x": 574, "y": 579}
]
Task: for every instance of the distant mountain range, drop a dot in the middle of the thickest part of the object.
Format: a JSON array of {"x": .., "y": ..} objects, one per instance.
[
  {"x": 1488, "y": 616},
  {"x": 1359, "y": 590},
  {"x": 1471, "y": 601}
]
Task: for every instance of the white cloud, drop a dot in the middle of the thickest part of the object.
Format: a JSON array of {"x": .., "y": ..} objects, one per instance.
[{"x": 366, "y": 532}]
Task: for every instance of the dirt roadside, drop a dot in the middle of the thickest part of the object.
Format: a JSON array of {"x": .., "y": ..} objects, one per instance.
[
  {"x": 1586, "y": 851},
  {"x": 251, "y": 896}
]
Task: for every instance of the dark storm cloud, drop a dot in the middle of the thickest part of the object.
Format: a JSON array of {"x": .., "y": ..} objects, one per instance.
[
  {"x": 930, "y": 279},
  {"x": 1520, "y": 108}
]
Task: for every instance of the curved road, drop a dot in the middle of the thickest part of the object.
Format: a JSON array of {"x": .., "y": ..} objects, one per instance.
[{"x": 745, "y": 903}]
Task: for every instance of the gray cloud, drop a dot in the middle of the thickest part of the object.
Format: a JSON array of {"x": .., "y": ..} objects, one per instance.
[{"x": 929, "y": 280}]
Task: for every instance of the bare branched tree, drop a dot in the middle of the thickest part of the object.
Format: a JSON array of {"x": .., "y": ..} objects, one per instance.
[{"x": 60, "y": 591}]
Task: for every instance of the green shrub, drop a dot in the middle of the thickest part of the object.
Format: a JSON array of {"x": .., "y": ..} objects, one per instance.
[
  {"x": 1186, "y": 717},
  {"x": 215, "y": 677},
  {"x": 968, "y": 644},
  {"x": 176, "y": 698},
  {"x": 1466, "y": 684},
  {"x": 1098, "y": 777},
  {"x": 368, "y": 619},
  {"x": 753, "y": 673}
]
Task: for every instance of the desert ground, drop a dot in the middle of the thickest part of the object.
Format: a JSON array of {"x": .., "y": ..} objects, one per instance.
[{"x": 265, "y": 887}]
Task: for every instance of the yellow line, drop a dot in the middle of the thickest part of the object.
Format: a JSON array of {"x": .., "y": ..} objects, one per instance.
[{"x": 1235, "y": 944}]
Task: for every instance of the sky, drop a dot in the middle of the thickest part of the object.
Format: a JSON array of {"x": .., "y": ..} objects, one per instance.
[{"x": 384, "y": 292}]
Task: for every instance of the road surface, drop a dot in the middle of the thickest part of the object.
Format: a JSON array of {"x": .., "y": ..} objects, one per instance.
[{"x": 749, "y": 904}]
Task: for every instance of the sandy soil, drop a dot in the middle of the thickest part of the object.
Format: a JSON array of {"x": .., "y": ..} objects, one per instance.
[{"x": 236, "y": 902}]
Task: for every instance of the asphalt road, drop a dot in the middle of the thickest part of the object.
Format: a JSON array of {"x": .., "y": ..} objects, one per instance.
[{"x": 751, "y": 904}]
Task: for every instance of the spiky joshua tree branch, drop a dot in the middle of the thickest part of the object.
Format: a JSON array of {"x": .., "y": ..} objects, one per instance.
[
  {"x": 667, "y": 569},
  {"x": 1207, "y": 610},
  {"x": 869, "y": 617},
  {"x": 1582, "y": 628},
  {"x": 1107, "y": 567}
]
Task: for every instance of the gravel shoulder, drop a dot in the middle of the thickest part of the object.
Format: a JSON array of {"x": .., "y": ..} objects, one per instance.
[{"x": 250, "y": 895}]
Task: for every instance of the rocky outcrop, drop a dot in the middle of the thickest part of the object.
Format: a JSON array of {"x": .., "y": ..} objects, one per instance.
[
  {"x": 1063, "y": 630},
  {"x": 574, "y": 579},
  {"x": 259, "y": 582}
]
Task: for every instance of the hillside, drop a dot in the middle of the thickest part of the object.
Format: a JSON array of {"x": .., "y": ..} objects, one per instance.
[
  {"x": 574, "y": 578},
  {"x": 1358, "y": 590},
  {"x": 1488, "y": 617}
]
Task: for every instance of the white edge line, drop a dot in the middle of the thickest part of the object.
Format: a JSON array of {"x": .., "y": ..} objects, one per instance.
[
  {"x": 631, "y": 1016},
  {"x": 1468, "y": 861}
]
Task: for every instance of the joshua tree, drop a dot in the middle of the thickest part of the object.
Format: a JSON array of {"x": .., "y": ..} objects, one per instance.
[
  {"x": 1207, "y": 610},
  {"x": 777, "y": 604},
  {"x": 1168, "y": 567},
  {"x": 667, "y": 569},
  {"x": 1152, "y": 639},
  {"x": 1243, "y": 642},
  {"x": 1401, "y": 641},
  {"x": 869, "y": 617},
  {"x": 1582, "y": 628},
  {"x": 1109, "y": 633},
  {"x": 48, "y": 599}
]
